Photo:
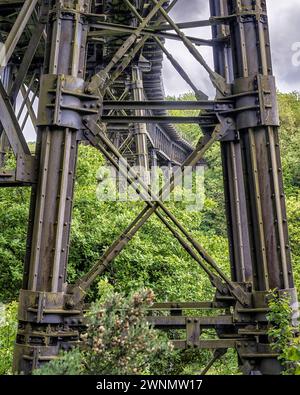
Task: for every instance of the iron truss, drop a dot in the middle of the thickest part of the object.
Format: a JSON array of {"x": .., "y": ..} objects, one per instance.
[{"x": 96, "y": 68}]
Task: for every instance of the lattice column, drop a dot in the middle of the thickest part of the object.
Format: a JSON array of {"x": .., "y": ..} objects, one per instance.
[
  {"x": 234, "y": 189},
  {"x": 258, "y": 128},
  {"x": 44, "y": 321},
  {"x": 255, "y": 200}
]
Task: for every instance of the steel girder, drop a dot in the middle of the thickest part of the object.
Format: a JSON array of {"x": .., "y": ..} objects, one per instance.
[{"x": 97, "y": 62}]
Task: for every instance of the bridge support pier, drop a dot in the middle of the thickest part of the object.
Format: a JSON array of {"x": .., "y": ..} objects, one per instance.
[
  {"x": 45, "y": 321},
  {"x": 253, "y": 183}
]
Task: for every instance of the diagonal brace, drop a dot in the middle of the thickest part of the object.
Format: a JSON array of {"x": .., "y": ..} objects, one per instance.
[
  {"x": 97, "y": 131},
  {"x": 217, "y": 80},
  {"x": 11, "y": 126},
  {"x": 151, "y": 208}
]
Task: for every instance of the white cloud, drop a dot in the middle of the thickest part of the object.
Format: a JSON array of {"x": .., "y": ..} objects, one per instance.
[{"x": 284, "y": 19}]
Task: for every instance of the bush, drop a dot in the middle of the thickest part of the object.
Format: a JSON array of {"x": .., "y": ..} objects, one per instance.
[
  {"x": 118, "y": 341},
  {"x": 282, "y": 333},
  {"x": 8, "y": 331},
  {"x": 67, "y": 364}
]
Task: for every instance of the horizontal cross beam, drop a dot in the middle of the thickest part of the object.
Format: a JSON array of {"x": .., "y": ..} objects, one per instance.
[
  {"x": 168, "y": 105},
  {"x": 113, "y": 29},
  {"x": 201, "y": 121}
]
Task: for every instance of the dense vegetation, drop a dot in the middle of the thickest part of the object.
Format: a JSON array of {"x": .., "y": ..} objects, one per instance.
[
  {"x": 153, "y": 259},
  {"x": 282, "y": 333}
]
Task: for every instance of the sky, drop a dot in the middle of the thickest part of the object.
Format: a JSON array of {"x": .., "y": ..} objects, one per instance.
[{"x": 284, "y": 17}]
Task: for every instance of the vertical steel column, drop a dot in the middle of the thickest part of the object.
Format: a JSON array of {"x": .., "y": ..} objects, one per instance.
[
  {"x": 58, "y": 149},
  {"x": 43, "y": 327},
  {"x": 235, "y": 198},
  {"x": 140, "y": 135},
  {"x": 258, "y": 129},
  {"x": 255, "y": 201}
]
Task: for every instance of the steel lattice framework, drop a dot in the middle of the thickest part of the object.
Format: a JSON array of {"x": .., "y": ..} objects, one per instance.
[{"x": 96, "y": 68}]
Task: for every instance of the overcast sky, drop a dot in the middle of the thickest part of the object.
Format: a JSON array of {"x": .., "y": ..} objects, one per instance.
[{"x": 284, "y": 21}]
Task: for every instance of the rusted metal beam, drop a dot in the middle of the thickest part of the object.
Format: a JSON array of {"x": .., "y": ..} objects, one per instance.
[
  {"x": 204, "y": 120},
  {"x": 210, "y": 105},
  {"x": 256, "y": 213},
  {"x": 51, "y": 203}
]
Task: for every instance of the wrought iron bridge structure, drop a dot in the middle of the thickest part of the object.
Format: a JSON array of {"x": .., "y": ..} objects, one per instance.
[{"x": 95, "y": 67}]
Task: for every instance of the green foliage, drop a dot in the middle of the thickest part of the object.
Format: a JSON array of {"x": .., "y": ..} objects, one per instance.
[
  {"x": 190, "y": 132},
  {"x": 290, "y": 140},
  {"x": 293, "y": 210},
  {"x": 118, "y": 341},
  {"x": 69, "y": 363},
  {"x": 8, "y": 331},
  {"x": 13, "y": 217},
  {"x": 282, "y": 333},
  {"x": 293, "y": 356}
]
